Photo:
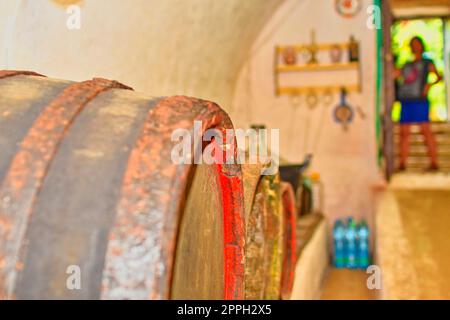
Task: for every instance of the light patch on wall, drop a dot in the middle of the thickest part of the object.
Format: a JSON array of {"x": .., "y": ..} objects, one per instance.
[{"x": 67, "y": 2}]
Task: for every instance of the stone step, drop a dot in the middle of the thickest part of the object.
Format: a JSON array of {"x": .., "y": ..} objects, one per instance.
[
  {"x": 418, "y": 159},
  {"x": 419, "y": 151},
  {"x": 425, "y": 161},
  {"x": 437, "y": 127},
  {"x": 441, "y": 140},
  {"x": 422, "y": 169}
]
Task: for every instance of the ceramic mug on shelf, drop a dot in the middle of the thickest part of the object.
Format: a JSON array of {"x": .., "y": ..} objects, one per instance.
[
  {"x": 289, "y": 56},
  {"x": 336, "y": 54}
]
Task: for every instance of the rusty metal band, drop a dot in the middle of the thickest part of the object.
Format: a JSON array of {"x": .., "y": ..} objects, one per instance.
[
  {"x": 28, "y": 169},
  {"x": 11, "y": 73},
  {"x": 141, "y": 249}
]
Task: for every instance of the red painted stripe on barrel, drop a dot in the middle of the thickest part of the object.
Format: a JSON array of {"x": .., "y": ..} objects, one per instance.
[
  {"x": 11, "y": 73},
  {"x": 28, "y": 168},
  {"x": 293, "y": 235},
  {"x": 234, "y": 234},
  {"x": 287, "y": 281},
  {"x": 142, "y": 245}
]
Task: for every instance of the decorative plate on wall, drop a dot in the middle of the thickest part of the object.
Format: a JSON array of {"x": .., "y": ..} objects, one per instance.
[{"x": 348, "y": 8}]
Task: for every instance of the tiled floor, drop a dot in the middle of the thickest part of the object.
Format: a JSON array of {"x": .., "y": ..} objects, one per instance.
[
  {"x": 413, "y": 238},
  {"x": 346, "y": 284}
]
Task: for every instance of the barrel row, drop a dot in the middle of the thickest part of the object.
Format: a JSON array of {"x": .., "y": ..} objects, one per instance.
[
  {"x": 270, "y": 224},
  {"x": 88, "y": 189}
]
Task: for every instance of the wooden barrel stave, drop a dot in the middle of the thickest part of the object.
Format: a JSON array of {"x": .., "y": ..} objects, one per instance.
[
  {"x": 29, "y": 96},
  {"x": 84, "y": 226}
]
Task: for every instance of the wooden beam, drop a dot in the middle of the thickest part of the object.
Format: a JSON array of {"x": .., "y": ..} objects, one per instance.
[
  {"x": 396, "y": 4},
  {"x": 389, "y": 94}
]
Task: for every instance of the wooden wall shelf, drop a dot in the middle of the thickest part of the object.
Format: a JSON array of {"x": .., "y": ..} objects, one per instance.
[
  {"x": 280, "y": 68},
  {"x": 319, "y": 67},
  {"x": 323, "y": 89},
  {"x": 323, "y": 46}
]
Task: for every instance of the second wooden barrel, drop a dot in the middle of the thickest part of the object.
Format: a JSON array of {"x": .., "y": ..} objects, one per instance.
[
  {"x": 92, "y": 205},
  {"x": 263, "y": 249}
]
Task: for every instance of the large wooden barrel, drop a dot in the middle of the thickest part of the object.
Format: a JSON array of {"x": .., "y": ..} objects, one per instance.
[
  {"x": 263, "y": 222},
  {"x": 289, "y": 240},
  {"x": 88, "y": 188}
]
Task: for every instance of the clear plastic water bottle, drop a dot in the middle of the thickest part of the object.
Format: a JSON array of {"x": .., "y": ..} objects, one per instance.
[
  {"x": 350, "y": 237},
  {"x": 363, "y": 245},
  {"x": 339, "y": 244},
  {"x": 317, "y": 193}
]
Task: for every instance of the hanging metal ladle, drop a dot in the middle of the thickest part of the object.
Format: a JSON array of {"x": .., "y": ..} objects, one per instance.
[{"x": 343, "y": 113}]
